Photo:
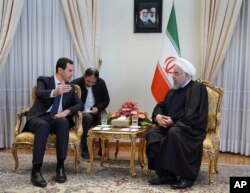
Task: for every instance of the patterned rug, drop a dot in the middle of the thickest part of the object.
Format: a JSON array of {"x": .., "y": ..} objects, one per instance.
[{"x": 114, "y": 177}]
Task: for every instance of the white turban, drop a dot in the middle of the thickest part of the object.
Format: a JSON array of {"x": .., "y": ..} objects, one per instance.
[{"x": 186, "y": 66}]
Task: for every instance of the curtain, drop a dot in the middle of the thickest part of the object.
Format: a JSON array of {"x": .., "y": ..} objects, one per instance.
[
  {"x": 10, "y": 12},
  {"x": 41, "y": 38},
  {"x": 84, "y": 25},
  {"x": 218, "y": 19},
  {"x": 235, "y": 80}
]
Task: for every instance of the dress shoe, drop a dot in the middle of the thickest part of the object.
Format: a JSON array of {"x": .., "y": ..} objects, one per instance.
[
  {"x": 60, "y": 175},
  {"x": 182, "y": 183},
  {"x": 159, "y": 180},
  {"x": 85, "y": 155},
  {"x": 38, "y": 180}
]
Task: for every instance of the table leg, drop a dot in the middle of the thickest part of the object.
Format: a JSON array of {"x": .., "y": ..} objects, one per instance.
[
  {"x": 140, "y": 152},
  {"x": 91, "y": 154},
  {"x": 132, "y": 156},
  {"x": 106, "y": 146},
  {"x": 116, "y": 149},
  {"x": 145, "y": 159},
  {"x": 103, "y": 151}
]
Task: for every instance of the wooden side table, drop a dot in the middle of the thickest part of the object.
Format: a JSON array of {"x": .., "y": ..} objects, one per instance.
[{"x": 117, "y": 134}]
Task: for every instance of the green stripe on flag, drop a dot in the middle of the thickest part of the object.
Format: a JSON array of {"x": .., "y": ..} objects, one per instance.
[{"x": 172, "y": 31}]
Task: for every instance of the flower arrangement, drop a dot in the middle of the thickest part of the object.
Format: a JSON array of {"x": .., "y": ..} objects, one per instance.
[{"x": 128, "y": 109}]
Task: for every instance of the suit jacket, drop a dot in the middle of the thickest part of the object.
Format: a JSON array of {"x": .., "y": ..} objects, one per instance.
[
  {"x": 100, "y": 92},
  {"x": 43, "y": 101}
]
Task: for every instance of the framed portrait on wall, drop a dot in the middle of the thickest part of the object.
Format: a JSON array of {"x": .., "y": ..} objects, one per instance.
[{"x": 147, "y": 16}]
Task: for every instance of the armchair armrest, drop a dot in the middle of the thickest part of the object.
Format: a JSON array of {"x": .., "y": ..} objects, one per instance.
[
  {"x": 218, "y": 125},
  {"x": 19, "y": 119}
]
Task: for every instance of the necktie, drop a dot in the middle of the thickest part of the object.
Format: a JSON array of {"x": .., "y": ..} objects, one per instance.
[{"x": 55, "y": 106}]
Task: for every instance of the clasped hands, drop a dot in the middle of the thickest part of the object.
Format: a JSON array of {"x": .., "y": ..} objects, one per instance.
[{"x": 164, "y": 121}]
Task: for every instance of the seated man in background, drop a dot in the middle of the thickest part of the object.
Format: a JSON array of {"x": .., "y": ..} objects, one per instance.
[
  {"x": 56, "y": 102},
  {"x": 174, "y": 145},
  {"x": 95, "y": 97}
]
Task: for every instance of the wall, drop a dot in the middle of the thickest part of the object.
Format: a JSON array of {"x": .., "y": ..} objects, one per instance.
[{"x": 129, "y": 59}]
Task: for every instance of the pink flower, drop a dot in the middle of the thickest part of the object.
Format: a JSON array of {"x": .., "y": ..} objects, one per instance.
[{"x": 129, "y": 108}]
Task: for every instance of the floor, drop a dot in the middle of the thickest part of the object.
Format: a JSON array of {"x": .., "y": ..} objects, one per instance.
[{"x": 124, "y": 153}]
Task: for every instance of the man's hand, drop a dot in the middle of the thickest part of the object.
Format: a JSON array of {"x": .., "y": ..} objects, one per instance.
[
  {"x": 62, "y": 114},
  {"x": 164, "y": 121},
  {"x": 94, "y": 110},
  {"x": 62, "y": 88}
]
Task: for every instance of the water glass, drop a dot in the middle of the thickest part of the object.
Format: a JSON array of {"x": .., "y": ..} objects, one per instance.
[
  {"x": 104, "y": 119},
  {"x": 134, "y": 120}
]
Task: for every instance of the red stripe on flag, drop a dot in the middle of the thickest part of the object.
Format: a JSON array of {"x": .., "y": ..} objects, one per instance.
[{"x": 160, "y": 84}]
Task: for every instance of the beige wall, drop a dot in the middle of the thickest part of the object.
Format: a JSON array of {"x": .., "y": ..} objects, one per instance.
[{"x": 129, "y": 59}]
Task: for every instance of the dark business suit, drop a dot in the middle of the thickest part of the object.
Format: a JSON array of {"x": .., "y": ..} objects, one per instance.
[
  {"x": 102, "y": 99},
  {"x": 41, "y": 124}
]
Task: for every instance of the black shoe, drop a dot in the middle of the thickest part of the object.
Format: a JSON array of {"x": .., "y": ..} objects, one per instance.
[
  {"x": 182, "y": 183},
  {"x": 85, "y": 155},
  {"x": 60, "y": 175},
  {"x": 157, "y": 180},
  {"x": 38, "y": 180}
]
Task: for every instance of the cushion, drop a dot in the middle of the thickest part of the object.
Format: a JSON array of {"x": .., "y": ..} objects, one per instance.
[
  {"x": 25, "y": 137},
  {"x": 29, "y": 137}
]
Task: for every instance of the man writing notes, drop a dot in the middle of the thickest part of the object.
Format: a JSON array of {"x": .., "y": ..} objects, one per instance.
[
  {"x": 174, "y": 145},
  {"x": 56, "y": 102},
  {"x": 95, "y": 98}
]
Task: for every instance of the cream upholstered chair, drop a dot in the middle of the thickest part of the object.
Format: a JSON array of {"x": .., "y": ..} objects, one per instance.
[
  {"x": 212, "y": 141},
  {"x": 24, "y": 140}
]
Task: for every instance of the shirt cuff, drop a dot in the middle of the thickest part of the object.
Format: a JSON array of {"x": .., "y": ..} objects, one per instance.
[{"x": 51, "y": 94}]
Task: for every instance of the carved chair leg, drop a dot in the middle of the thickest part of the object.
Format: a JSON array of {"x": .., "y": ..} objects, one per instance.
[
  {"x": 216, "y": 162},
  {"x": 76, "y": 156},
  {"x": 14, "y": 154},
  {"x": 209, "y": 171}
]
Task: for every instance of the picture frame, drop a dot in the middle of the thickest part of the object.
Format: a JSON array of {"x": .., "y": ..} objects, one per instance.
[{"x": 147, "y": 16}]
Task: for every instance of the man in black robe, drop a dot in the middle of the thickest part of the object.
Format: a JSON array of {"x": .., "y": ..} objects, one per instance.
[{"x": 174, "y": 145}]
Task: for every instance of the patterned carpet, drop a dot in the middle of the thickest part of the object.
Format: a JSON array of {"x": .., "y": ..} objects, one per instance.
[{"x": 114, "y": 177}]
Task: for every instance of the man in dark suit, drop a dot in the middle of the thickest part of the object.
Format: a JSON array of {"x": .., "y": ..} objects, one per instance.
[
  {"x": 56, "y": 102},
  {"x": 95, "y": 97}
]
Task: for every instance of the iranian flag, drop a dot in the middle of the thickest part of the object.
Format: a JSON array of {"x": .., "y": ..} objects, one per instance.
[{"x": 162, "y": 81}]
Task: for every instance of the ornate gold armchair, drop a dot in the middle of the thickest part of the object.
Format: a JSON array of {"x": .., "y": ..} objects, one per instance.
[
  {"x": 212, "y": 142},
  {"x": 24, "y": 140}
]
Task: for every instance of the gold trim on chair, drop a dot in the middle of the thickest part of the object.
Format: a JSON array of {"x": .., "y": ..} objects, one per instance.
[{"x": 211, "y": 143}]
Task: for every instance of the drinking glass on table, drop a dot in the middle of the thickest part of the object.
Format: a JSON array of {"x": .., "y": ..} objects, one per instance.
[
  {"x": 104, "y": 119},
  {"x": 134, "y": 120}
]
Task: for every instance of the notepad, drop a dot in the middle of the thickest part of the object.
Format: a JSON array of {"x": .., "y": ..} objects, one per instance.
[
  {"x": 124, "y": 129},
  {"x": 96, "y": 128}
]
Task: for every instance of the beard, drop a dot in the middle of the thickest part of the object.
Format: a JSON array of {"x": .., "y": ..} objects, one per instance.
[
  {"x": 152, "y": 19},
  {"x": 177, "y": 85},
  {"x": 144, "y": 18}
]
